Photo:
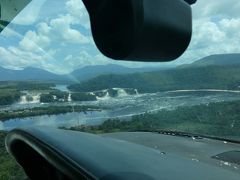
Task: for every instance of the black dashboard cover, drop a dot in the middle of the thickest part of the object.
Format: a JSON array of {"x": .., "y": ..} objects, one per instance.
[{"x": 49, "y": 153}]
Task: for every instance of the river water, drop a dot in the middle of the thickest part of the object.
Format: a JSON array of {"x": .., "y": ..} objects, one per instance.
[{"x": 123, "y": 106}]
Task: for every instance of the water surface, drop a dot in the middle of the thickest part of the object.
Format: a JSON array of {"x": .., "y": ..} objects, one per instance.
[{"x": 124, "y": 107}]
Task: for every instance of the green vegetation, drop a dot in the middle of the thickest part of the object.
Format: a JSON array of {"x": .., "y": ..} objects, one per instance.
[
  {"x": 38, "y": 111},
  {"x": 10, "y": 91},
  {"x": 54, "y": 96},
  {"x": 9, "y": 96},
  {"x": 220, "y": 119},
  {"x": 60, "y": 94},
  {"x": 46, "y": 98},
  {"x": 131, "y": 91},
  {"x": 63, "y": 96},
  {"x": 210, "y": 77},
  {"x": 29, "y": 98},
  {"x": 112, "y": 92},
  {"x": 83, "y": 97},
  {"x": 9, "y": 169}
]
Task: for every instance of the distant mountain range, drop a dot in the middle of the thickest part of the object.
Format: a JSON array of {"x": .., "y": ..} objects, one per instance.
[
  {"x": 89, "y": 72},
  {"x": 29, "y": 73},
  {"x": 207, "y": 73},
  {"x": 81, "y": 74},
  {"x": 216, "y": 60}
]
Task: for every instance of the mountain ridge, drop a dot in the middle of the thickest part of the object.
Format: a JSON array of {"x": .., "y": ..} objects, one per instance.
[
  {"x": 88, "y": 72},
  {"x": 27, "y": 74},
  {"x": 215, "y": 59},
  {"x": 84, "y": 73},
  {"x": 209, "y": 77}
]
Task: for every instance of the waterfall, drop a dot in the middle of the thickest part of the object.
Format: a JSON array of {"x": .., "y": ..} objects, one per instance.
[
  {"x": 69, "y": 97},
  {"x": 27, "y": 99},
  {"x": 54, "y": 97},
  {"x": 23, "y": 100},
  {"x": 106, "y": 96},
  {"x": 115, "y": 92},
  {"x": 136, "y": 91},
  {"x": 36, "y": 99},
  {"x": 121, "y": 92}
]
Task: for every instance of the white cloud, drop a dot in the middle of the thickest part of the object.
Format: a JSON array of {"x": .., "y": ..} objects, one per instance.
[
  {"x": 8, "y": 32},
  {"x": 34, "y": 42},
  {"x": 206, "y": 33},
  {"x": 43, "y": 28},
  {"x": 12, "y": 58},
  {"x": 30, "y": 14},
  {"x": 61, "y": 27},
  {"x": 231, "y": 27},
  {"x": 215, "y": 30},
  {"x": 83, "y": 59},
  {"x": 77, "y": 9},
  {"x": 61, "y": 42},
  {"x": 16, "y": 58},
  {"x": 213, "y": 8},
  {"x": 58, "y": 30},
  {"x": 48, "y": 39}
]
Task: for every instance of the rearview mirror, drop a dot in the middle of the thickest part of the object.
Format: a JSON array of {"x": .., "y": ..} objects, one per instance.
[{"x": 141, "y": 30}]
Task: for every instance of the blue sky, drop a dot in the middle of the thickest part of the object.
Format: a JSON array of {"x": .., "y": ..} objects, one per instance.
[{"x": 55, "y": 35}]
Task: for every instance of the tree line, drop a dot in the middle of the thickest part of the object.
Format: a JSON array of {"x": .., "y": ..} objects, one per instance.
[{"x": 220, "y": 119}]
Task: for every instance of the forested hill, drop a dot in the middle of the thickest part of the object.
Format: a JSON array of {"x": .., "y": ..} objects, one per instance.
[
  {"x": 206, "y": 77},
  {"x": 217, "y": 59},
  {"x": 85, "y": 73},
  {"x": 89, "y": 72},
  {"x": 29, "y": 73}
]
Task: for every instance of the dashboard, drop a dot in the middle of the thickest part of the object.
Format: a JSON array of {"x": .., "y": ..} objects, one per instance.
[{"x": 48, "y": 153}]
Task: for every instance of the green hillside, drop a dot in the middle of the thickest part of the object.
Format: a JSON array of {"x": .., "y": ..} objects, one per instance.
[
  {"x": 209, "y": 77},
  {"x": 216, "y": 59},
  {"x": 213, "y": 119}
]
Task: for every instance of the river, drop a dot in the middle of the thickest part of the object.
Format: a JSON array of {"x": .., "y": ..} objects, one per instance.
[{"x": 123, "y": 107}]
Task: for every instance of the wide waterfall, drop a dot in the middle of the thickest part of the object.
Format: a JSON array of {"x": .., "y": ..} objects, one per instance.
[
  {"x": 107, "y": 96},
  {"x": 104, "y": 94},
  {"x": 69, "y": 97},
  {"x": 121, "y": 92},
  {"x": 30, "y": 98},
  {"x": 115, "y": 92},
  {"x": 36, "y": 99},
  {"x": 136, "y": 91},
  {"x": 23, "y": 100}
]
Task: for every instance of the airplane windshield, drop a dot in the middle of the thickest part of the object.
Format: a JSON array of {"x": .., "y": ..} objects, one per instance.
[{"x": 52, "y": 74}]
